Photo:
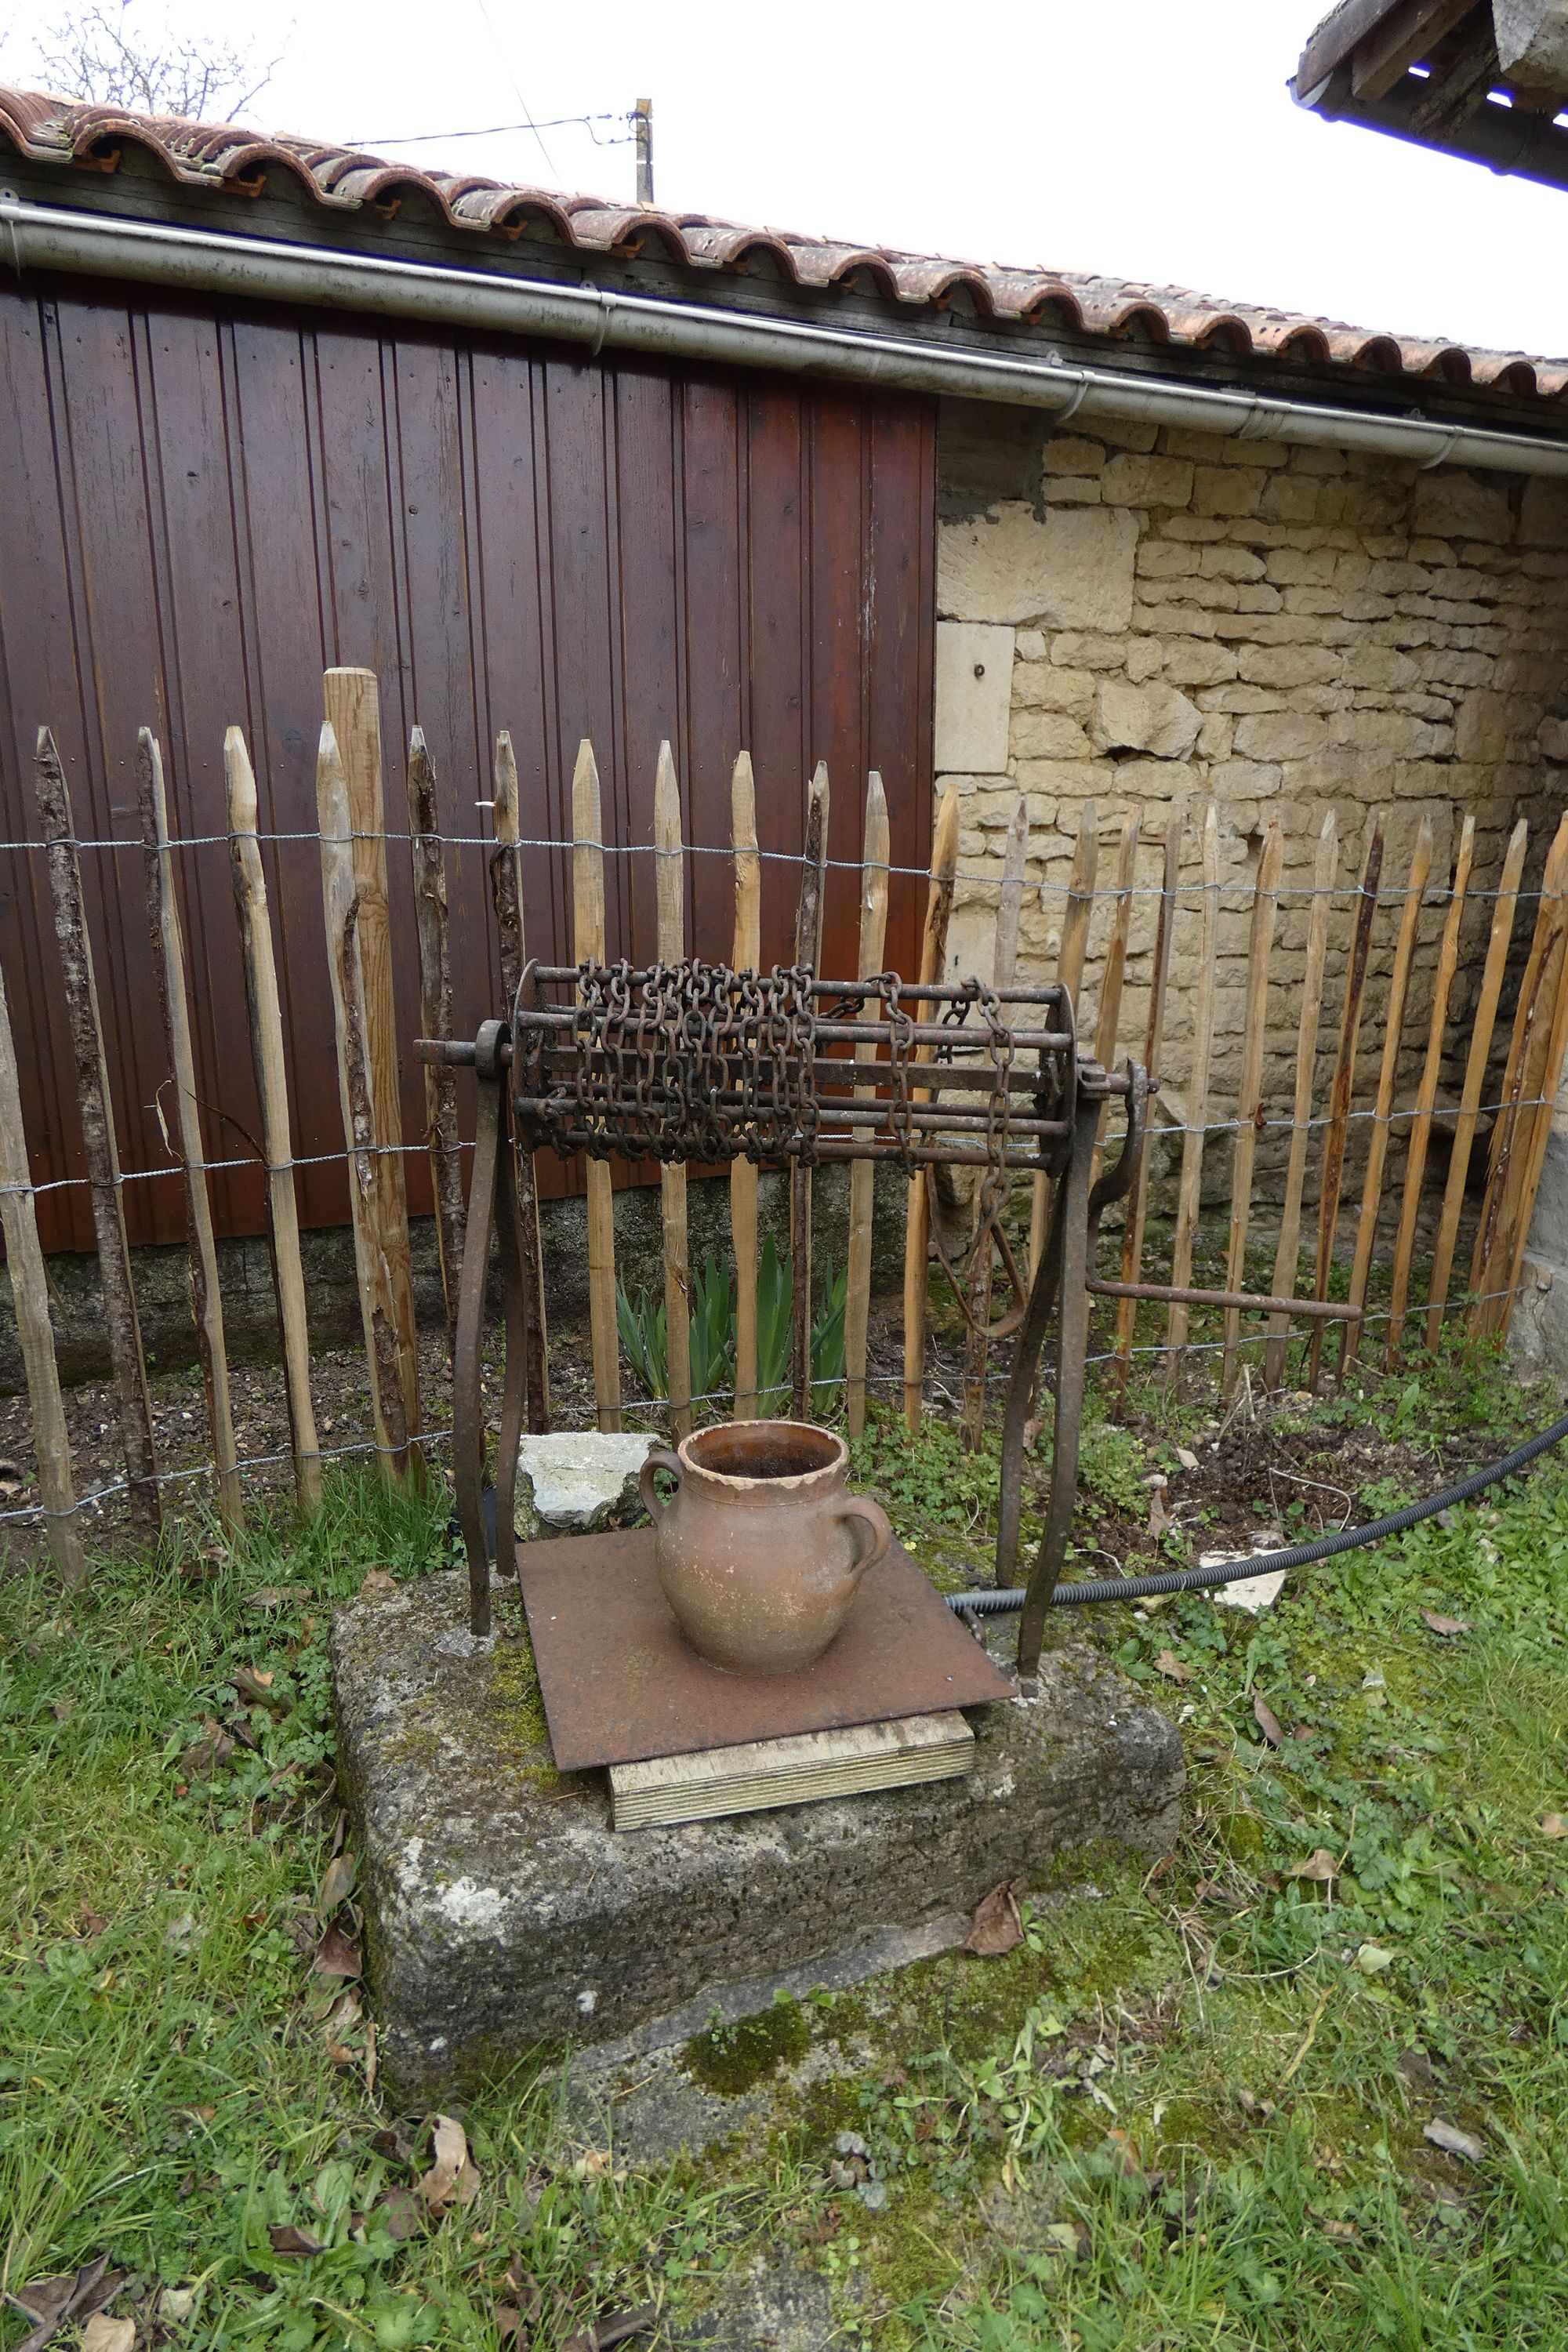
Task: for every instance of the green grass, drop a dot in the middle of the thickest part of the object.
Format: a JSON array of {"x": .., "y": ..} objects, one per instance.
[{"x": 1174, "y": 2117}]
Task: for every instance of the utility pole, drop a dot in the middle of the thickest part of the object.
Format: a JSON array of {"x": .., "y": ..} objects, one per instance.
[{"x": 643, "y": 121}]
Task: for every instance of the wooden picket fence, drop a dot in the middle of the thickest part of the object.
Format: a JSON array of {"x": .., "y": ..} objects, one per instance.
[{"x": 1142, "y": 921}]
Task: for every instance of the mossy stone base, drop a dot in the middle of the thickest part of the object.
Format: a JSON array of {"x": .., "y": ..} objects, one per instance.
[{"x": 502, "y": 1912}]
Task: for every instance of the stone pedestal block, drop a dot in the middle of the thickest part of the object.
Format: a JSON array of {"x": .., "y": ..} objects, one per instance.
[{"x": 503, "y": 1912}]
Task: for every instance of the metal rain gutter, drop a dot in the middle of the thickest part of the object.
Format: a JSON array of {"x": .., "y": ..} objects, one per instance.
[{"x": 204, "y": 260}]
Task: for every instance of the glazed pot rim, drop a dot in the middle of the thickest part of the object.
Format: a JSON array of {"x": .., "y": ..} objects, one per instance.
[{"x": 793, "y": 1483}]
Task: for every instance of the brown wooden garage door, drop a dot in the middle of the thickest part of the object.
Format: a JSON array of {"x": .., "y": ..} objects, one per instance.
[{"x": 202, "y": 507}]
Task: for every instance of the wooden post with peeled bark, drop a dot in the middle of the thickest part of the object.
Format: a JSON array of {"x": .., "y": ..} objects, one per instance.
[
  {"x": 668, "y": 882},
  {"x": 353, "y": 710},
  {"x": 588, "y": 947},
  {"x": 167, "y": 942},
  {"x": 875, "y": 855},
  {"x": 1342, "y": 1084},
  {"x": 745, "y": 956},
  {"x": 122, "y": 1329},
  {"x": 356, "y": 1092},
  {"x": 506, "y": 895},
  {"x": 1189, "y": 1190},
  {"x": 30, "y": 1298},
  {"x": 1003, "y": 971},
  {"x": 266, "y": 1018},
  {"x": 436, "y": 1017},
  {"x": 916, "y": 1232},
  {"x": 807, "y": 955}
]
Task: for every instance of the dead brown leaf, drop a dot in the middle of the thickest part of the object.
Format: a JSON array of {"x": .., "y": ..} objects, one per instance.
[
  {"x": 288, "y": 2240},
  {"x": 63, "y": 1709},
  {"x": 1447, "y": 1626},
  {"x": 11, "y": 1482},
  {"x": 1174, "y": 1669},
  {"x": 380, "y": 1579},
  {"x": 275, "y": 1596},
  {"x": 337, "y": 1954},
  {"x": 93, "y": 1923},
  {"x": 102, "y": 2334},
  {"x": 1553, "y": 1825},
  {"x": 401, "y": 2211},
  {"x": 255, "y": 1689},
  {"x": 996, "y": 1926},
  {"x": 51, "y": 2303},
  {"x": 452, "y": 2176},
  {"x": 337, "y": 1885},
  {"x": 1267, "y": 1722},
  {"x": 1320, "y": 1866},
  {"x": 202, "y": 1758},
  {"x": 1159, "y": 1516}
]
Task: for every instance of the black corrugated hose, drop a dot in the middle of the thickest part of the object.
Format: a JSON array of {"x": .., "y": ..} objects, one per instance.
[{"x": 1266, "y": 1563}]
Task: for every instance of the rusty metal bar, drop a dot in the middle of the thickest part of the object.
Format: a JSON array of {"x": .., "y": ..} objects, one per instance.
[{"x": 1327, "y": 1310}]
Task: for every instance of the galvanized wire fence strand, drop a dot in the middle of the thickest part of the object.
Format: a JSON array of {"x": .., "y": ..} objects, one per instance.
[
  {"x": 1277, "y": 1128},
  {"x": 35, "y": 1515},
  {"x": 1048, "y": 886}
]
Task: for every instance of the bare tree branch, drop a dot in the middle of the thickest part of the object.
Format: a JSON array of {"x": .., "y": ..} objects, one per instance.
[{"x": 113, "y": 53}]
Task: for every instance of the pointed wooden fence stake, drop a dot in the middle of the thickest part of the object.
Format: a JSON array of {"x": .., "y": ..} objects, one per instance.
[
  {"x": 30, "y": 1299},
  {"x": 1249, "y": 1108},
  {"x": 875, "y": 856},
  {"x": 273, "y": 1092},
  {"x": 356, "y": 1095},
  {"x": 1003, "y": 971},
  {"x": 1427, "y": 1092},
  {"x": 351, "y": 708},
  {"x": 808, "y": 956},
  {"x": 745, "y": 956},
  {"x": 1108, "y": 1012},
  {"x": 428, "y": 855},
  {"x": 1377, "y": 1148},
  {"x": 1189, "y": 1191},
  {"x": 1073, "y": 946},
  {"x": 506, "y": 896},
  {"x": 670, "y": 874},
  {"x": 122, "y": 1329},
  {"x": 588, "y": 947},
  {"x": 1137, "y": 1213},
  {"x": 934, "y": 962},
  {"x": 167, "y": 942},
  {"x": 1530, "y": 1087},
  {"x": 1342, "y": 1086},
  {"x": 1287, "y": 1255},
  {"x": 1504, "y": 907}
]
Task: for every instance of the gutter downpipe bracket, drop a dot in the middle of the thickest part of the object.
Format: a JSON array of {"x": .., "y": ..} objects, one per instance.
[{"x": 268, "y": 269}]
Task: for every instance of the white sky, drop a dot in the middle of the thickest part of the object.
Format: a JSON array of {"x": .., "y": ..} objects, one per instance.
[{"x": 1143, "y": 138}]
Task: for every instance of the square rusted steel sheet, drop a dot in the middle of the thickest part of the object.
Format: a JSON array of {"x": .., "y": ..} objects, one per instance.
[{"x": 620, "y": 1682}]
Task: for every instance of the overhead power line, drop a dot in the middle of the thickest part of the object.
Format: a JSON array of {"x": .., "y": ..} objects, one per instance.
[{"x": 493, "y": 130}]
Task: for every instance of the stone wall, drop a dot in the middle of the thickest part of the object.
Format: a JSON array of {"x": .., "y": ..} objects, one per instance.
[{"x": 1130, "y": 614}]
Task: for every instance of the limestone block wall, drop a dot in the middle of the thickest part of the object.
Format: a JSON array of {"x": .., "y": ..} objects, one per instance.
[{"x": 1130, "y": 614}]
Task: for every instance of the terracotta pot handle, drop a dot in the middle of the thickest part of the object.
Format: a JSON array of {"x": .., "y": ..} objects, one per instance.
[
  {"x": 663, "y": 1460},
  {"x": 875, "y": 1518}
]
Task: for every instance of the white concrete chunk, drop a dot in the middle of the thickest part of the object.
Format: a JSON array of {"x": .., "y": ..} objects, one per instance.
[{"x": 572, "y": 1481}]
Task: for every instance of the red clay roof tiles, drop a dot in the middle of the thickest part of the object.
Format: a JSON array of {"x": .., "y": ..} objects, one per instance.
[{"x": 226, "y": 156}]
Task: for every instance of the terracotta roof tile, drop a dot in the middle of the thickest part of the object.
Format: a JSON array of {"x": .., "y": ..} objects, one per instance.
[{"x": 230, "y": 157}]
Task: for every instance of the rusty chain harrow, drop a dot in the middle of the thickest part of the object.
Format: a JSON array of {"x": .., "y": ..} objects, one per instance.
[{"x": 693, "y": 1061}]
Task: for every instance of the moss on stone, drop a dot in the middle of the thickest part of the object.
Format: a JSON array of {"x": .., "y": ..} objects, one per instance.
[{"x": 732, "y": 2058}]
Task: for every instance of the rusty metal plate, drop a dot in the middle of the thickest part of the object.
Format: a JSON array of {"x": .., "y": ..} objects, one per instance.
[{"x": 620, "y": 1682}]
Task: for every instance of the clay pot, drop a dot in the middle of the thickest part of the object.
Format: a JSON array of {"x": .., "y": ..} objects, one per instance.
[{"x": 760, "y": 1552}]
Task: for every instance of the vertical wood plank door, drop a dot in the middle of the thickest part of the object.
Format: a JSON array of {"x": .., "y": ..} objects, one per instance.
[{"x": 205, "y": 504}]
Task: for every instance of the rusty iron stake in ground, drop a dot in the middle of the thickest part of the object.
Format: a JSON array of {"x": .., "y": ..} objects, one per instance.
[{"x": 694, "y": 1061}]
